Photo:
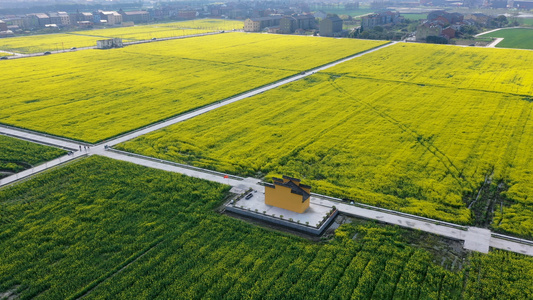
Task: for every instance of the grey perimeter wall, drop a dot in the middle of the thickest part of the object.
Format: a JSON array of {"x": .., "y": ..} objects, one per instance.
[{"x": 283, "y": 222}]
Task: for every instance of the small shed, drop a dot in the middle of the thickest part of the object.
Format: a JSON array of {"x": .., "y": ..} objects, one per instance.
[{"x": 109, "y": 43}]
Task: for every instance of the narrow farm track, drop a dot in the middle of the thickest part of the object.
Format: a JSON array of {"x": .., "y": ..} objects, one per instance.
[
  {"x": 113, "y": 273},
  {"x": 494, "y": 43},
  {"x": 476, "y": 239}
]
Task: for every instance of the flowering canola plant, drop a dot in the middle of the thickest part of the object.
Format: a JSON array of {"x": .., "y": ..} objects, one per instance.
[
  {"x": 88, "y": 38},
  {"x": 422, "y": 144},
  {"x": 93, "y": 94}
]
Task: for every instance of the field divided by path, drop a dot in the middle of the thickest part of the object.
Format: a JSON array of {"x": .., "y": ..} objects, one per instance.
[
  {"x": 70, "y": 231},
  {"x": 47, "y": 42},
  {"x": 17, "y": 155},
  {"x": 406, "y": 137},
  {"x": 92, "y": 95},
  {"x": 164, "y": 30},
  {"x": 496, "y": 70},
  {"x": 520, "y": 38},
  {"x": 78, "y": 222},
  {"x": 88, "y": 38}
]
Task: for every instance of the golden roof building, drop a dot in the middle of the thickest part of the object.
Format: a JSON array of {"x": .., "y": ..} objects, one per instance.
[{"x": 288, "y": 193}]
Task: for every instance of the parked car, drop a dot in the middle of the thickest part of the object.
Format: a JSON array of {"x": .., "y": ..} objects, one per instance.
[{"x": 249, "y": 196}]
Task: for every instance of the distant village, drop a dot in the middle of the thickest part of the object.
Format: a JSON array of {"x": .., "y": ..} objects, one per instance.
[{"x": 273, "y": 17}]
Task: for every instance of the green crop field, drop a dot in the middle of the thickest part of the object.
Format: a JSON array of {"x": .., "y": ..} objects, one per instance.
[
  {"x": 525, "y": 21},
  {"x": 405, "y": 136},
  {"x": 415, "y": 17},
  {"x": 17, "y": 155},
  {"x": 93, "y": 94},
  {"x": 520, "y": 38},
  {"x": 105, "y": 229},
  {"x": 88, "y": 38}
]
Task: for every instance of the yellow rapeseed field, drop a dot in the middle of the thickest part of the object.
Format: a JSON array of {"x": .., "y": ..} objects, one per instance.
[
  {"x": 138, "y": 33},
  {"x": 87, "y": 38},
  {"x": 164, "y": 30},
  {"x": 419, "y": 148},
  {"x": 46, "y": 42},
  {"x": 95, "y": 94},
  {"x": 488, "y": 69}
]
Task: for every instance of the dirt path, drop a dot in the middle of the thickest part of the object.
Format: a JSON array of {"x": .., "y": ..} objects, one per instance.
[{"x": 494, "y": 43}]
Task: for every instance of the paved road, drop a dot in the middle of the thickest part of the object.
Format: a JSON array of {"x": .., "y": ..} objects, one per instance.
[
  {"x": 42, "y": 167},
  {"x": 242, "y": 183},
  {"x": 490, "y": 31},
  {"x": 39, "y": 138},
  {"x": 497, "y": 29},
  {"x": 9, "y": 52}
]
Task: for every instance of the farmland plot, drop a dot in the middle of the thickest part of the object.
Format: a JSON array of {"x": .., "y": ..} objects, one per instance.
[
  {"x": 77, "y": 223},
  {"x": 418, "y": 149},
  {"x": 108, "y": 229},
  {"x": 486, "y": 69},
  {"x": 88, "y": 38},
  {"x": 46, "y": 42},
  {"x": 138, "y": 33},
  {"x": 93, "y": 95},
  {"x": 164, "y": 30},
  {"x": 520, "y": 38}
]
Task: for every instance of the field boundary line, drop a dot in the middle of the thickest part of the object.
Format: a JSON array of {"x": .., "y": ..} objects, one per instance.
[
  {"x": 494, "y": 43},
  {"x": 497, "y": 29},
  {"x": 111, "y": 273},
  {"x": 394, "y": 212},
  {"x": 35, "y": 141},
  {"x": 41, "y": 168},
  {"x": 42, "y": 134},
  {"x": 168, "y": 162}
]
